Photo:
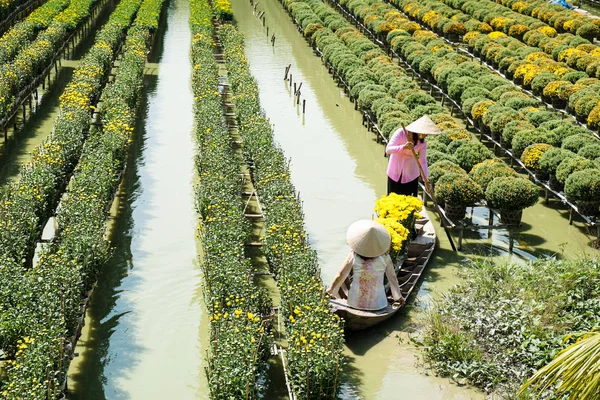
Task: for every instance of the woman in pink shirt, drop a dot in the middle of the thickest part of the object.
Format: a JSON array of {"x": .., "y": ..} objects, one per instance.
[{"x": 403, "y": 171}]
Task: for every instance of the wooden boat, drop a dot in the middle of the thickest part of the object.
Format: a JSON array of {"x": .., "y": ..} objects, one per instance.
[{"x": 408, "y": 271}]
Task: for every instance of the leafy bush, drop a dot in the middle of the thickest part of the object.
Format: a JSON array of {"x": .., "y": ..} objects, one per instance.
[
  {"x": 513, "y": 127},
  {"x": 434, "y": 156},
  {"x": 440, "y": 168},
  {"x": 552, "y": 158},
  {"x": 584, "y": 185},
  {"x": 504, "y": 321},
  {"x": 574, "y": 164},
  {"x": 526, "y": 138},
  {"x": 512, "y": 193},
  {"x": 568, "y": 129},
  {"x": 488, "y": 170},
  {"x": 472, "y": 153},
  {"x": 576, "y": 142},
  {"x": 458, "y": 189},
  {"x": 590, "y": 151},
  {"x": 539, "y": 117},
  {"x": 588, "y": 31}
]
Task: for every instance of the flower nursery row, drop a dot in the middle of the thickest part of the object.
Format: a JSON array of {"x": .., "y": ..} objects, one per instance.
[
  {"x": 239, "y": 338},
  {"x": 32, "y": 59},
  {"x": 393, "y": 94},
  {"x": 28, "y": 203},
  {"x": 22, "y": 33},
  {"x": 559, "y": 64},
  {"x": 314, "y": 335},
  {"x": 515, "y": 118},
  {"x": 41, "y": 308}
]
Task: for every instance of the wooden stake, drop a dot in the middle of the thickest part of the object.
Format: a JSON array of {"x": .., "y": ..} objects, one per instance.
[
  {"x": 303, "y": 106},
  {"x": 287, "y": 70}
]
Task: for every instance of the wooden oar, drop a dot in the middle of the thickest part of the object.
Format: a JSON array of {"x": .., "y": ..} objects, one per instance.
[{"x": 429, "y": 189}]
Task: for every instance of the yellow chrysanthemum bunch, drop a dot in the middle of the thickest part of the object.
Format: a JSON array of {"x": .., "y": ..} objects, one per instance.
[
  {"x": 403, "y": 209},
  {"x": 470, "y": 35},
  {"x": 532, "y": 154},
  {"x": 399, "y": 236},
  {"x": 496, "y": 35}
]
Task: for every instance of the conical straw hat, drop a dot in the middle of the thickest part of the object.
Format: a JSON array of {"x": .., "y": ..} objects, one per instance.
[
  {"x": 368, "y": 238},
  {"x": 424, "y": 126}
]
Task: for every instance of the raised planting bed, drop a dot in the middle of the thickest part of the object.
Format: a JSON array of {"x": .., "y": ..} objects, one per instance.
[{"x": 52, "y": 297}]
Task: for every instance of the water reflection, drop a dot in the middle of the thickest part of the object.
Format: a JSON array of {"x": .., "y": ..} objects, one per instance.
[{"x": 143, "y": 338}]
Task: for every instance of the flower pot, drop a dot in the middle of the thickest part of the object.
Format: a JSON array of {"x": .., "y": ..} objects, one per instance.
[
  {"x": 555, "y": 184},
  {"x": 511, "y": 217},
  {"x": 518, "y": 80},
  {"x": 476, "y": 52},
  {"x": 542, "y": 176},
  {"x": 509, "y": 75},
  {"x": 558, "y": 103},
  {"x": 588, "y": 208},
  {"x": 453, "y": 37},
  {"x": 455, "y": 212}
]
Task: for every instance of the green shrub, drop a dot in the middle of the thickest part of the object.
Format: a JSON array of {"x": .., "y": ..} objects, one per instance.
[
  {"x": 576, "y": 142},
  {"x": 418, "y": 99},
  {"x": 573, "y": 164},
  {"x": 541, "y": 80},
  {"x": 472, "y": 153},
  {"x": 551, "y": 159},
  {"x": 458, "y": 189},
  {"x": 498, "y": 91},
  {"x": 583, "y": 185},
  {"x": 574, "y": 76},
  {"x": 512, "y": 193},
  {"x": 488, "y": 170},
  {"x": 474, "y": 91},
  {"x": 440, "y": 168},
  {"x": 539, "y": 117},
  {"x": 590, "y": 151},
  {"x": 526, "y": 138},
  {"x": 588, "y": 31},
  {"x": 569, "y": 129},
  {"x": 434, "y": 156}
]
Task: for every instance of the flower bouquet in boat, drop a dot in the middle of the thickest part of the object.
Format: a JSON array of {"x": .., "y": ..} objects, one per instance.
[{"x": 397, "y": 246}]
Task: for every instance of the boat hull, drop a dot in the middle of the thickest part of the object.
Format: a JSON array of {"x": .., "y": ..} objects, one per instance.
[{"x": 409, "y": 272}]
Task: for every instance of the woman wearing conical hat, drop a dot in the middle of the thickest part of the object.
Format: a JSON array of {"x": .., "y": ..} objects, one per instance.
[
  {"x": 368, "y": 261},
  {"x": 403, "y": 172}
]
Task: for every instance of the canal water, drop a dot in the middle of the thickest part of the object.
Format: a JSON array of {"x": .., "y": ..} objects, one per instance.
[
  {"x": 339, "y": 170},
  {"x": 146, "y": 330}
]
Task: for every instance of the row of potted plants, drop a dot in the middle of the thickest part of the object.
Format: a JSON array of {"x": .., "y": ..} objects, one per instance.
[
  {"x": 22, "y": 33},
  {"x": 43, "y": 305},
  {"x": 526, "y": 62},
  {"x": 239, "y": 341},
  {"x": 314, "y": 335},
  {"x": 464, "y": 152},
  {"x": 32, "y": 59},
  {"x": 555, "y": 15},
  {"x": 509, "y": 115},
  {"x": 28, "y": 203},
  {"x": 503, "y": 111}
]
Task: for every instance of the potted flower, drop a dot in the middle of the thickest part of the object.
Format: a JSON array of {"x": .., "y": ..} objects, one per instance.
[
  {"x": 400, "y": 208},
  {"x": 457, "y": 191},
  {"x": 452, "y": 30},
  {"x": 511, "y": 195},
  {"x": 485, "y": 172},
  {"x": 472, "y": 153},
  {"x": 583, "y": 187},
  {"x": 441, "y": 168},
  {"x": 549, "y": 162},
  {"x": 531, "y": 158},
  {"x": 571, "y": 165}
]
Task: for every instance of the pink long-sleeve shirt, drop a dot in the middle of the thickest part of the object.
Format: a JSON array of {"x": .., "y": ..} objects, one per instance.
[{"x": 402, "y": 162}]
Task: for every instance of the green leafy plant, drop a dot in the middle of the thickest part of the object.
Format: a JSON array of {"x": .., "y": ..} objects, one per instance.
[
  {"x": 458, "y": 189},
  {"x": 512, "y": 193}
]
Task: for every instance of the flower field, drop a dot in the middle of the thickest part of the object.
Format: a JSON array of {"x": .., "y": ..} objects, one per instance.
[
  {"x": 30, "y": 59},
  {"x": 512, "y": 85},
  {"x": 239, "y": 340},
  {"x": 314, "y": 335},
  {"x": 41, "y": 319}
]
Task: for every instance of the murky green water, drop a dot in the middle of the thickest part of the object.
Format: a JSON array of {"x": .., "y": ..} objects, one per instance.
[
  {"x": 145, "y": 332},
  {"x": 339, "y": 170}
]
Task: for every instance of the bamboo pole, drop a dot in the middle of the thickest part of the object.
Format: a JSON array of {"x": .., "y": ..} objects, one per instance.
[{"x": 429, "y": 189}]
